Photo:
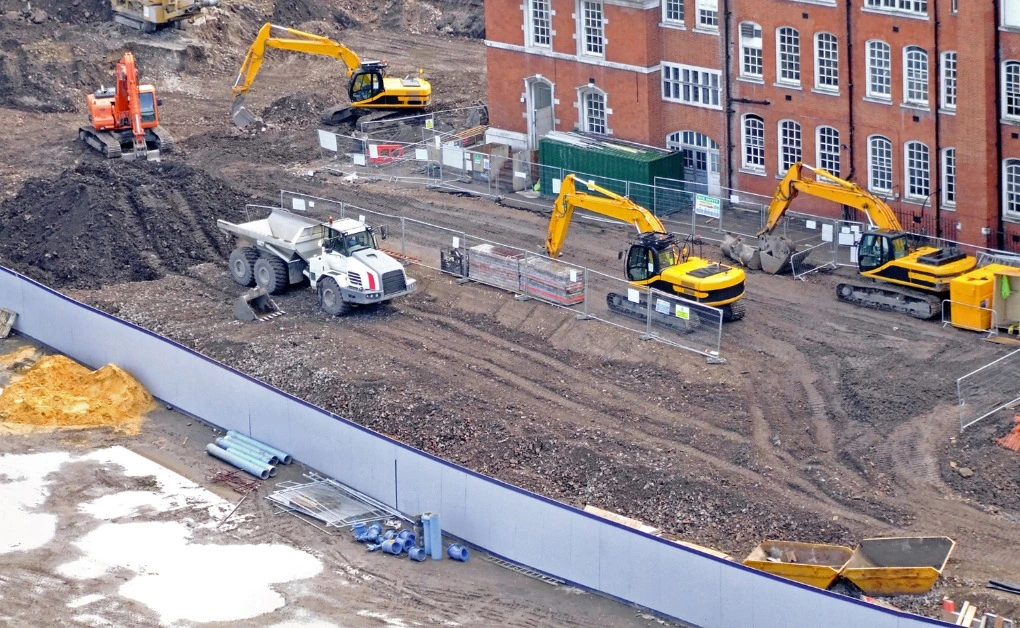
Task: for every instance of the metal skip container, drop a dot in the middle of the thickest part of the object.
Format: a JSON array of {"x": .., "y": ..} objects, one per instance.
[
  {"x": 810, "y": 563},
  {"x": 898, "y": 565}
]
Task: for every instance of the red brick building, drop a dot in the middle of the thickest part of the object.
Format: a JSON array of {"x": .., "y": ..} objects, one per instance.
[{"x": 919, "y": 100}]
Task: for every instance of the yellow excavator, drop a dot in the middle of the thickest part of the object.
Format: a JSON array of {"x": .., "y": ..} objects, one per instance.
[
  {"x": 657, "y": 259},
  {"x": 368, "y": 88},
  {"x": 919, "y": 275}
]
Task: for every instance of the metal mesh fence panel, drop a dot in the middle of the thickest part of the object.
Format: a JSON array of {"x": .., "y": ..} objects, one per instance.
[
  {"x": 435, "y": 247},
  {"x": 321, "y": 208},
  {"x": 684, "y": 323},
  {"x": 616, "y": 302},
  {"x": 552, "y": 281},
  {"x": 993, "y": 387}
]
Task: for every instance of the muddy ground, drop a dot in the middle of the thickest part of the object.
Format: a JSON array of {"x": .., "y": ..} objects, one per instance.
[{"x": 828, "y": 423}]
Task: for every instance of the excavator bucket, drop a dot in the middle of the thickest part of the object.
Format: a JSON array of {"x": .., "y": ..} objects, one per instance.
[
  {"x": 738, "y": 249},
  {"x": 240, "y": 115},
  {"x": 775, "y": 252},
  {"x": 255, "y": 305}
]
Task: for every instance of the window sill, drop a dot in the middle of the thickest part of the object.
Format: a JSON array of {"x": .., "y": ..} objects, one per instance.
[
  {"x": 885, "y": 195},
  {"x": 825, "y": 92},
  {"x": 1010, "y": 121},
  {"x": 757, "y": 173},
  {"x": 821, "y": 3},
  {"x": 793, "y": 86},
  {"x": 705, "y": 31},
  {"x": 752, "y": 80},
  {"x": 947, "y": 112},
  {"x": 913, "y": 200},
  {"x": 920, "y": 108},
  {"x": 676, "y": 26},
  {"x": 906, "y": 14},
  {"x": 692, "y": 104},
  {"x": 949, "y": 207},
  {"x": 877, "y": 100},
  {"x": 1009, "y": 28}
]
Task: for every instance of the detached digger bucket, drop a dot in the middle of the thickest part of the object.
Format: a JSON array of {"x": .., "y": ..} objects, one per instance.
[
  {"x": 743, "y": 250},
  {"x": 775, "y": 253},
  {"x": 240, "y": 115},
  {"x": 255, "y": 305}
]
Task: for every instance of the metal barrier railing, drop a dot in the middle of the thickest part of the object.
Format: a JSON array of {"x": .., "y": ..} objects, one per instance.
[
  {"x": 989, "y": 389},
  {"x": 952, "y": 309}
]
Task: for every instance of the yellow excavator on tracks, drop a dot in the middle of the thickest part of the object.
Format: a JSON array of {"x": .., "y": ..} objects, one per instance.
[
  {"x": 368, "y": 88},
  {"x": 905, "y": 278},
  {"x": 657, "y": 259}
]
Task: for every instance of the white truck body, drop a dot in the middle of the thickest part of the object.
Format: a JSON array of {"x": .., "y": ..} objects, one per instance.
[{"x": 342, "y": 250}]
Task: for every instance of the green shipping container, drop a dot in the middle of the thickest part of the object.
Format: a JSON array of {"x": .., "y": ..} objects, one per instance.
[{"x": 610, "y": 164}]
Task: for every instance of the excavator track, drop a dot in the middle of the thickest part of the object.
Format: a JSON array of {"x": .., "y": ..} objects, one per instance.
[
  {"x": 164, "y": 141},
  {"x": 733, "y": 311},
  {"x": 912, "y": 303},
  {"x": 639, "y": 311},
  {"x": 103, "y": 142}
]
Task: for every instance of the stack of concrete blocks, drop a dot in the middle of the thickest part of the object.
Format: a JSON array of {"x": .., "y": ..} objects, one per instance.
[
  {"x": 552, "y": 281},
  {"x": 495, "y": 265}
]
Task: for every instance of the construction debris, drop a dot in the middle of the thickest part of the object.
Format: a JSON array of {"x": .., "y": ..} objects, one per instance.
[
  {"x": 232, "y": 479},
  {"x": 495, "y": 265},
  {"x": 999, "y": 585},
  {"x": 551, "y": 280},
  {"x": 7, "y": 319},
  {"x": 1012, "y": 439},
  {"x": 330, "y": 502}
]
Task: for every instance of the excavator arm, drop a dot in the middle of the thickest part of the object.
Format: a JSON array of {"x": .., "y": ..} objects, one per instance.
[
  {"x": 127, "y": 99},
  {"x": 608, "y": 204},
  {"x": 829, "y": 187},
  {"x": 272, "y": 36}
]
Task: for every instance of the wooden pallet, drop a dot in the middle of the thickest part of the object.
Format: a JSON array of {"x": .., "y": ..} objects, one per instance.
[{"x": 7, "y": 319}]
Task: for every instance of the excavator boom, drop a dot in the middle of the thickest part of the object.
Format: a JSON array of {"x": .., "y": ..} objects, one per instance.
[{"x": 608, "y": 204}]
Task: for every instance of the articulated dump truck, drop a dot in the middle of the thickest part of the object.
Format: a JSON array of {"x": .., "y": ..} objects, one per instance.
[{"x": 339, "y": 259}]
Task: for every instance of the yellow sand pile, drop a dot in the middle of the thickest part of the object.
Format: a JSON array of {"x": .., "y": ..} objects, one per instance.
[
  {"x": 19, "y": 357},
  {"x": 57, "y": 392}
]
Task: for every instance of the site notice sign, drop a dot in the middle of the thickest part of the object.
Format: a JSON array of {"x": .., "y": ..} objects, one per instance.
[{"x": 707, "y": 206}]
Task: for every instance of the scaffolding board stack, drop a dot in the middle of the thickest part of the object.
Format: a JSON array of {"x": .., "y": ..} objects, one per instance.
[
  {"x": 495, "y": 265},
  {"x": 552, "y": 281}
]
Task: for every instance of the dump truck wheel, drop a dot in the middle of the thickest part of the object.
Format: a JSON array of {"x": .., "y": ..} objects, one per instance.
[
  {"x": 271, "y": 274},
  {"x": 330, "y": 300},
  {"x": 242, "y": 261}
]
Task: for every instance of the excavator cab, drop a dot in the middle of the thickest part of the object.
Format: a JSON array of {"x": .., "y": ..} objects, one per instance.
[
  {"x": 652, "y": 253},
  {"x": 878, "y": 248},
  {"x": 367, "y": 82}
]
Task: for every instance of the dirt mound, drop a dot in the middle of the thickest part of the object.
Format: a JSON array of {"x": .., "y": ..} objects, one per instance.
[
  {"x": 110, "y": 222},
  {"x": 294, "y": 12},
  {"x": 77, "y": 12},
  {"x": 57, "y": 392},
  {"x": 301, "y": 109}
]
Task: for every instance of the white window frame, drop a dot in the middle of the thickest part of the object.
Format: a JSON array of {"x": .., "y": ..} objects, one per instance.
[
  {"x": 1011, "y": 189},
  {"x": 535, "y": 9},
  {"x": 922, "y": 172},
  {"x": 909, "y": 7},
  {"x": 707, "y": 15},
  {"x": 678, "y": 7},
  {"x": 591, "y": 37},
  {"x": 747, "y": 45},
  {"x": 872, "y": 165},
  {"x": 947, "y": 99},
  {"x": 948, "y": 178},
  {"x": 875, "y": 68},
  {"x": 1010, "y": 14},
  {"x": 747, "y": 164},
  {"x": 695, "y": 84},
  {"x": 791, "y": 145},
  {"x": 916, "y": 70},
  {"x": 827, "y": 64},
  {"x": 827, "y": 153},
  {"x": 583, "y": 119},
  {"x": 1011, "y": 90},
  {"x": 789, "y": 51}
]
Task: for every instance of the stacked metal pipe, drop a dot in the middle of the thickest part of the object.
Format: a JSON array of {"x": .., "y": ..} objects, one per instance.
[{"x": 248, "y": 454}]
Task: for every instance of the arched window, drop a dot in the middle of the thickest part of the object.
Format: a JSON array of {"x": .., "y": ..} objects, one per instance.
[
  {"x": 918, "y": 170},
  {"x": 948, "y": 97},
  {"x": 879, "y": 70},
  {"x": 593, "y": 110},
  {"x": 789, "y": 144},
  {"x": 827, "y": 143},
  {"x": 949, "y": 177},
  {"x": 879, "y": 164},
  {"x": 915, "y": 75},
  {"x": 753, "y": 141},
  {"x": 1011, "y": 189},
  {"x": 788, "y": 55},
  {"x": 1011, "y": 90},
  {"x": 751, "y": 59},
  {"x": 826, "y": 62}
]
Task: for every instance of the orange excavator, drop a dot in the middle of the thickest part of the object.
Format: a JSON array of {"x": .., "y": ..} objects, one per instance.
[{"x": 125, "y": 118}]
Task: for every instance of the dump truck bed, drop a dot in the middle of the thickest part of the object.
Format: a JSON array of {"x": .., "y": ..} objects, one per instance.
[
  {"x": 287, "y": 232},
  {"x": 811, "y": 563}
]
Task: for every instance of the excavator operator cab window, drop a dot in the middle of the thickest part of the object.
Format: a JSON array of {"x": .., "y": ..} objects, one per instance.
[
  {"x": 875, "y": 251},
  {"x": 899, "y": 247},
  {"x": 640, "y": 263},
  {"x": 365, "y": 86},
  {"x": 147, "y": 102}
]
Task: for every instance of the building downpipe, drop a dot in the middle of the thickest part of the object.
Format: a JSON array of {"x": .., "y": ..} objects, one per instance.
[
  {"x": 728, "y": 83},
  {"x": 1000, "y": 232},
  {"x": 850, "y": 87},
  {"x": 937, "y": 192}
]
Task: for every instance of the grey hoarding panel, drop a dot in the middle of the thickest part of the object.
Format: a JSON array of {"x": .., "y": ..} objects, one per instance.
[
  {"x": 11, "y": 288},
  {"x": 491, "y": 514},
  {"x": 623, "y": 565},
  {"x": 94, "y": 334},
  {"x": 419, "y": 483},
  {"x": 49, "y": 319},
  {"x": 736, "y": 602},
  {"x": 583, "y": 564},
  {"x": 372, "y": 470},
  {"x": 540, "y": 528},
  {"x": 319, "y": 436},
  {"x": 269, "y": 417},
  {"x": 454, "y": 509},
  {"x": 686, "y": 581},
  {"x": 216, "y": 393}
]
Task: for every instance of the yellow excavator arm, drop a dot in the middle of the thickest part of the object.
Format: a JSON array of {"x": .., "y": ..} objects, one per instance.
[
  {"x": 272, "y": 36},
  {"x": 608, "y": 204},
  {"x": 829, "y": 187}
]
